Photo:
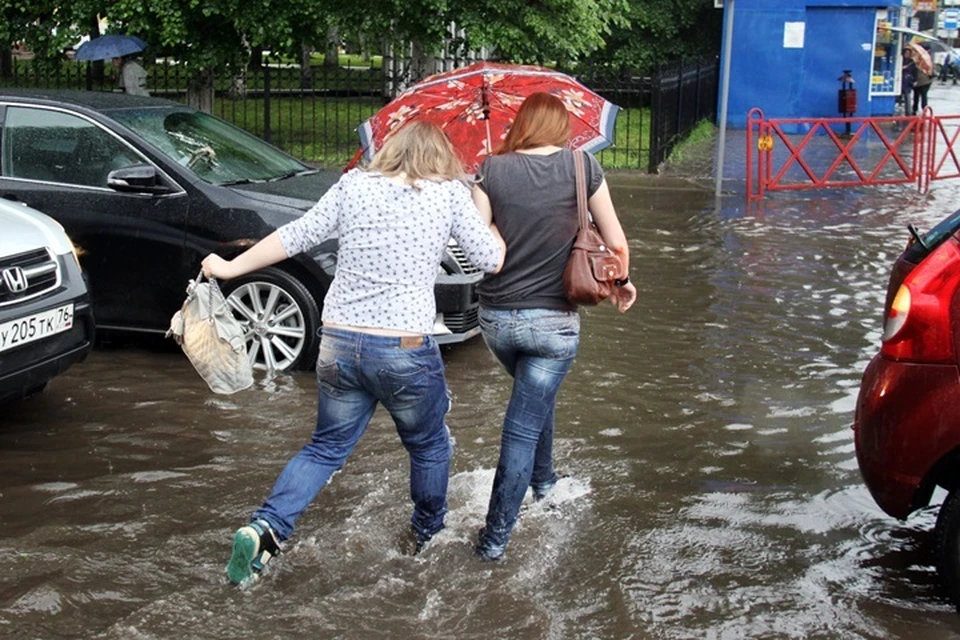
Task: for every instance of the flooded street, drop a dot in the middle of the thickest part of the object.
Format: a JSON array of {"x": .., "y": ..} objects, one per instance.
[{"x": 711, "y": 486}]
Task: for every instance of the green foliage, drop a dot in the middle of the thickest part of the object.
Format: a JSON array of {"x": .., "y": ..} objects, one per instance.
[
  {"x": 544, "y": 30},
  {"x": 217, "y": 34},
  {"x": 700, "y": 138},
  {"x": 662, "y": 30}
]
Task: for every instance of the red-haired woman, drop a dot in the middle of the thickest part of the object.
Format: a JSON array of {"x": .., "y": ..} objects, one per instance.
[{"x": 528, "y": 189}]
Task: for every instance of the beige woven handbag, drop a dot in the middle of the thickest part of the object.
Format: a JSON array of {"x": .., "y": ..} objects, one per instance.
[{"x": 212, "y": 338}]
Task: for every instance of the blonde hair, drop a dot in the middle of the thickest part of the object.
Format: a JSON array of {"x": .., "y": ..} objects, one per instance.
[
  {"x": 542, "y": 120},
  {"x": 421, "y": 151}
]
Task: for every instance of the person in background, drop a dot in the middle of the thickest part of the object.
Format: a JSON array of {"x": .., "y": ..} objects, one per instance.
[
  {"x": 921, "y": 86},
  {"x": 908, "y": 76},
  {"x": 945, "y": 68},
  {"x": 133, "y": 77},
  {"x": 528, "y": 190},
  {"x": 394, "y": 221}
]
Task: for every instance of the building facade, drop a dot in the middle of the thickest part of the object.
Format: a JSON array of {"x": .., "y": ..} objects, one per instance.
[{"x": 788, "y": 56}]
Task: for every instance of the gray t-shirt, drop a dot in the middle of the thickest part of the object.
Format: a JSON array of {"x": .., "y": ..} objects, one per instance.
[
  {"x": 392, "y": 238},
  {"x": 534, "y": 202}
]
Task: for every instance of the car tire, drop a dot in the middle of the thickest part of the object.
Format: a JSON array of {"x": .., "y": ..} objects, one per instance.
[
  {"x": 280, "y": 317},
  {"x": 947, "y": 546}
]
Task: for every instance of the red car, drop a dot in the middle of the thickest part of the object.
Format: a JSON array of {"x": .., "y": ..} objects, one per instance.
[{"x": 907, "y": 424}]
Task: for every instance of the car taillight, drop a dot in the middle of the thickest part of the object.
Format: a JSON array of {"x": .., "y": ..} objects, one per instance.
[
  {"x": 898, "y": 313},
  {"x": 917, "y": 326}
]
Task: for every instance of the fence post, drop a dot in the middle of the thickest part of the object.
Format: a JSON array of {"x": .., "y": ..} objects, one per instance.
[
  {"x": 656, "y": 119},
  {"x": 698, "y": 94},
  {"x": 681, "y": 89},
  {"x": 266, "y": 100}
]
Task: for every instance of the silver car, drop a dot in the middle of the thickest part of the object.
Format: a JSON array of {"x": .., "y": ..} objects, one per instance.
[{"x": 46, "y": 320}]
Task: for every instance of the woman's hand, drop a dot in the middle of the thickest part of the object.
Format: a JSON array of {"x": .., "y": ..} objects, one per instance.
[
  {"x": 263, "y": 254},
  {"x": 216, "y": 267},
  {"x": 624, "y": 297}
]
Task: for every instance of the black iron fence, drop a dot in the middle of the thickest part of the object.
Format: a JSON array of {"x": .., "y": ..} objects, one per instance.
[{"x": 313, "y": 112}]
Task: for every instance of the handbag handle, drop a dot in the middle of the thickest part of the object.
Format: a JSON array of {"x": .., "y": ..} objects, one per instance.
[
  {"x": 581, "y": 179},
  {"x": 212, "y": 282}
]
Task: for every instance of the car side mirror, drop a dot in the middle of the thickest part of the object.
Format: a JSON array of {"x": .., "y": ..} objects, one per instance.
[{"x": 137, "y": 178}]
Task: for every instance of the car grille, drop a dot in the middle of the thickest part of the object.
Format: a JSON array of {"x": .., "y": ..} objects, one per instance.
[
  {"x": 461, "y": 322},
  {"x": 38, "y": 267},
  {"x": 457, "y": 253}
]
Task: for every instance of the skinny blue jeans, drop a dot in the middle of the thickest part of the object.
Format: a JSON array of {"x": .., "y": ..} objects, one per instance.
[
  {"x": 355, "y": 371},
  {"x": 537, "y": 348}
]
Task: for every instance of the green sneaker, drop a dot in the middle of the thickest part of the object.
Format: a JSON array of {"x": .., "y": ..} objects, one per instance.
[{"x": 253, "y": 546}]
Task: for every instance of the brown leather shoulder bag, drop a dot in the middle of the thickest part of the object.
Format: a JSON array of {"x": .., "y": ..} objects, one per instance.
[{"x": 592, "y": 267}]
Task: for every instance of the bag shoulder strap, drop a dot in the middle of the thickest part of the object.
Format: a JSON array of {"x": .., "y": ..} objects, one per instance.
[{"x": 581, "y": 178}]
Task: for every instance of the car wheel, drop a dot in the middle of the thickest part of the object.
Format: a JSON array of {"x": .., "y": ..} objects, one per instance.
[
  {"x": 947, "y": 541},
  {"x": 280, "y": 319}
]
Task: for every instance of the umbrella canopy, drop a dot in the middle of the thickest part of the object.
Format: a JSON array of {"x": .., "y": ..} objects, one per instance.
[
  {"x": 922, "y": 58},
  {"x": 933, "y": 46},
  {"x": 109, "y": 46},
  {"x": 475, "y": 106}
]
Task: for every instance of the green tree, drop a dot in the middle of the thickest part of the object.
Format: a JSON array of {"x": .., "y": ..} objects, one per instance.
[
  {"x": 208, "y": 35},
  {"x": 542, "y": 30},
  {"x": 661, "y": 30}
]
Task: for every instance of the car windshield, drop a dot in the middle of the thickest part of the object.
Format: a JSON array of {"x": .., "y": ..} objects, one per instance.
[{"x": 215, "y": 150}]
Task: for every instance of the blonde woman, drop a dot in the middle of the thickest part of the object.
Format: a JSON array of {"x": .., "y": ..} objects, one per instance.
[{"x": 393, "y": 221}]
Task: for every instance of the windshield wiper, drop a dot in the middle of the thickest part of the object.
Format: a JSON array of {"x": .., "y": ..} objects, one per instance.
[
  {"x": 230, "y": 183},
  {"x": 293, "y": 174}
]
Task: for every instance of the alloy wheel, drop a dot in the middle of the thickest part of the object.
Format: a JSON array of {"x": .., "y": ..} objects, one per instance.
[{"x": 273, "y": 324}]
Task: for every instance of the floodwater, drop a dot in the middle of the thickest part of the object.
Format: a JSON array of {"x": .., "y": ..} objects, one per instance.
[{"x": 712, "y": 489}]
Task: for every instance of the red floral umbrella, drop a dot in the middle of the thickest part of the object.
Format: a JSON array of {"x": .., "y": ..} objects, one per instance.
[{"x": 475, "y": 106}]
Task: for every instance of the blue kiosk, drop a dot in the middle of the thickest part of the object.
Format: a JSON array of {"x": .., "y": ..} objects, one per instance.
[{"x": 788, "y": 57}]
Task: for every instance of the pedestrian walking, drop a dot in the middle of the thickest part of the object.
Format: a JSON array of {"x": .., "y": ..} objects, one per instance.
[
  {"x": 133, "y": 77},
  {"x": 945, "y": 68},
  {"x": 921, "y": 87},
  {"x": 528, "y": 189},
  {"x": 393, "y": 221},
  {"x": 908, "y": 77}
]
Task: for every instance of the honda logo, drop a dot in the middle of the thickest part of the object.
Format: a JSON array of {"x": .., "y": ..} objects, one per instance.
[{"x": 15, "y": 279}]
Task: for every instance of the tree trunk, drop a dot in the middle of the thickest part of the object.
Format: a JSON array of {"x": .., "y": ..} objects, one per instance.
[
  {"x": 306, "y": 75},
  {"x": 200, "y": 90},
  {"x": 95, "y": 72},
  {"x": 364, "y": 50},
  {"x": 421, "y": 63},
  {"x": 238, "y": 85},
  {"x": 331, "y": 58},
  {"x": 6, "y": 62}
]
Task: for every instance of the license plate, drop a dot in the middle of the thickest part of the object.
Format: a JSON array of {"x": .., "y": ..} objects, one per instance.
[{"x": 35, "y": 327}]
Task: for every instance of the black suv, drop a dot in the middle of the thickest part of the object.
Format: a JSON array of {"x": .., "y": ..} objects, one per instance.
[
  {"x": 46, "y": 322},
  {"x": 147, "y": 187}
]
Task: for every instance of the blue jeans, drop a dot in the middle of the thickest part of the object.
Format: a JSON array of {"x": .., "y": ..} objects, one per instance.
[
  {"x": 537, "y": 347},
  {"x": 355, "y": 371}
]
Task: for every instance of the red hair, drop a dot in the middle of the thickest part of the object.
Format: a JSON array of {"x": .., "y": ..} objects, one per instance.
[{"x": 541, "y": 121}]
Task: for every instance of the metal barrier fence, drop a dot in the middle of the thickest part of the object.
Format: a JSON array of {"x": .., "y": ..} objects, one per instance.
[
  {"x": 811, "y": 153},
  {"x": 313, "y": 112}
]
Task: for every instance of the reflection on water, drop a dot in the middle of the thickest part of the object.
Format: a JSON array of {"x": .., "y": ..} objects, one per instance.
[{"x": 711, "y": 485}]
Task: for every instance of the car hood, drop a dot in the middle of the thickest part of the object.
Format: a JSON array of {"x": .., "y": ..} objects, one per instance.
[
  {"x": 298, "y": 192},
  {"x": 25, "y": 229}
]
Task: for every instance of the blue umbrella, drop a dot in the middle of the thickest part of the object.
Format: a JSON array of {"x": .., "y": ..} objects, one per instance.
[{"x": 110, "y": 46}]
